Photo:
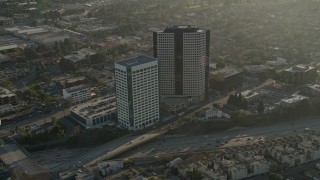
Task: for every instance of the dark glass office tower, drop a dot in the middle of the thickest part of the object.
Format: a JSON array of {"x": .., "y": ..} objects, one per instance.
[{"x": 183, "y": 53}]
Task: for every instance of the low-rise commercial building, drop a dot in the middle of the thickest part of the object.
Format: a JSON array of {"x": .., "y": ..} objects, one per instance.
[
  {"x": 68, "y": 81},
  {"x": 225, "y": 78},
  {"x": 278, "y": 62},
  {"x": 95, "y": 113},
  {"x": 78, "y": 58},
  {"x": 7, "y": 97},
  {"x": 6, "y": 21},
  {"x": 216, "y": 113},
  {"x": 45, "y": 35},
  {"x": 300, "y": 74},
  {"x": 293, "y": 100},
  {"x": 108, "y": 167},
  {"x": 13, "y": 73},
  {"x": 79, "y": 93},
  {"x": 175, "y": 162},
  {"x": 8, "y": 42},
  {"x": 4, "y": 109},
  {"x": 238, "y": 171},
  {"x": 75, "y": 81},
  {"x": 175, "y": 104},
  {"x": 313, "y": 90},
  {"x": 251, "y": 96},
  {"x": 259, "y": 167}
]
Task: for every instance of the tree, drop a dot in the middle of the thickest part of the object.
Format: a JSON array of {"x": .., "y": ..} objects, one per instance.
[
  {"x": 232, "y": 99},
  {"x": 194, "y": 174},
  {"x": 215, "y": 105},
  {"x": 220, "y": 65},
  {"x": 54, "y": 120},
  {"x": 239, "y": 117},
  {"x": 98, "y": 58},
  {"x": 8, "y": 85},
  {"x": 30, "y": 52},
  {"x": 275, "y": 176},
  {"x": 261, "y": 107},
  {"x": 174, "y": 171}
]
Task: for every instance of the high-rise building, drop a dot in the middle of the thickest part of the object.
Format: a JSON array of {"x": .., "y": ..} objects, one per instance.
[
  {"x": 137, "y": 91},
  {"x": 183, "y": 54}
]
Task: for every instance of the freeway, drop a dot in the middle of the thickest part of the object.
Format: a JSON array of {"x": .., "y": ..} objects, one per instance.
[
  {"x": 178, "y": 144},
  {"x": 109, "y": 150}
]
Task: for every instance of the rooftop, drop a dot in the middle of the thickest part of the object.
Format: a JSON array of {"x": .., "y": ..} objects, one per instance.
[
  {"x": 4, "y": 18},
  {"x": 248, "y": 94},
  {"x": 4, "y": 91},
  {"x": 10, "y": 42},
  {"x": 226, "y": 72},
  {"x": 182, "y": 28},
  {"x": 136, "y": 61},
  {"x": 256, "y": 68},
  {"x": 72, "y": 80},
  {"x": 300, "y": 68},
  {"x": 77, "y": 88},
  {"x": 32, "y": 31},
  {"x": 80, "y": 55},
  {"x": 315, "y": 87},
  {"x": 295, "y": 98},
  {"x": 96, "y": 107}
]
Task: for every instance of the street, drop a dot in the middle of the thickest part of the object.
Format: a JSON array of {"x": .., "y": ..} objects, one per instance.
[{"x": 210, "y": 141}]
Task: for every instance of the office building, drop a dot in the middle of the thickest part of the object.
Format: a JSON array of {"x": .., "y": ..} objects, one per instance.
[
  {"x": 95, "y": 113},
  {"x": 77, "y": 94},
  {"x": 300, "y": 74},
  {"x": 137, "y": 92},
  {"x": 183, "y": 54}
]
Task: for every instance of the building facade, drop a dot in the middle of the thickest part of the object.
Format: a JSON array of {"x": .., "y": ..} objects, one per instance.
[
  {"x": 108, "y": 167},
  {"x": 137, "y": 91},
  {"x": 7, "y": 97},
  {"x": 216, "y": 113},
  {"x": 300, "y": 74},
  {"x": 79, "y": 93},
  {"x": 183, "y": 53},
  {"x": 6, "y": 21}
]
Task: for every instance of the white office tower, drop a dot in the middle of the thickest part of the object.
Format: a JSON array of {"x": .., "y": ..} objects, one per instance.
[
  {"x": 183, "y": 54},
  {"x": 137, "y": 91}
]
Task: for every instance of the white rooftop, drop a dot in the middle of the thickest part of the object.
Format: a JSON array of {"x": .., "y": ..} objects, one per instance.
[
  {"x": 295, "y": 98},
  {"x": 96, "y": 107},
  {"x": 300, "y": 68},
  {"x": 248, "y": 94},
  {"x": 315, "y": 87},
  {"x": 80, "y": 55},
  {"x": 76, "y": 88}
]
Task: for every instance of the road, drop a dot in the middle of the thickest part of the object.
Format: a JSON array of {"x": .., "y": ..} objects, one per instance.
[
  {"x": 39, "y": 120},
  {"x": 109, "y": 150},
  {"x": 210, "y": 141}
]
